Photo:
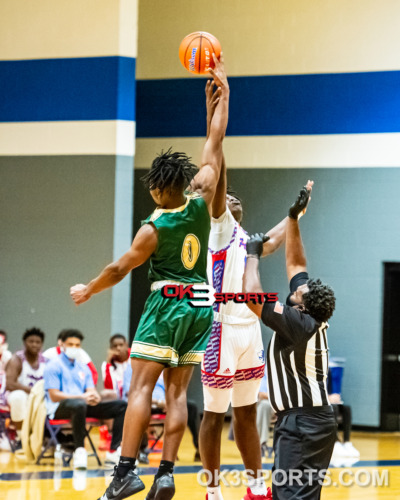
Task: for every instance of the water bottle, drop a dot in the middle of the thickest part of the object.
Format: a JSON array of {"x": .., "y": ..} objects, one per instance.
[
  {"x": 57, "y": 468},
  {"x": 58, "y": 456}
]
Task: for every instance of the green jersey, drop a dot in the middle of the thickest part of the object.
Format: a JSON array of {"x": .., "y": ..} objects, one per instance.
[{"x": 181, "y": 253}]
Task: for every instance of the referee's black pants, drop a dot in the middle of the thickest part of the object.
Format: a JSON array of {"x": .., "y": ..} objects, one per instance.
[{"x": 303, "y": 445}]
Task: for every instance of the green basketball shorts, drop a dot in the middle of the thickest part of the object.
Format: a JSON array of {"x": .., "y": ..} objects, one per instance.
[{"x": 172, "y": 332}]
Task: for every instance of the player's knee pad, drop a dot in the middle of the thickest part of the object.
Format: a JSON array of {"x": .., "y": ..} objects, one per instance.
[
  {"x": 245, "y": 393},
  {"x": 216, "y": 400}
]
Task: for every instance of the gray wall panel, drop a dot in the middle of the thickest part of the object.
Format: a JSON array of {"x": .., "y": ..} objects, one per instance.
[{"x": 56, "y": 226}]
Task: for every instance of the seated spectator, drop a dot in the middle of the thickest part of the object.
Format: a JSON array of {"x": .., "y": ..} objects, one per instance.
[
  {"x": 83, "y": 356},
  {"x": 5, "y": 356},
  {"x": 343, "y": 449},
  {"x": 159, "y": 406},
  {"x": 114, "y": 367},
  {"x": 70, "y": 394},
  {"x": 265, "y": 414},
  {"x": 24, "y": 369},
  {"x": 112, "y": 371}
]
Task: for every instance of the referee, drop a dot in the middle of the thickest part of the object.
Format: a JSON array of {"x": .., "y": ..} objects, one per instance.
[{"x": 305, "y": 431}]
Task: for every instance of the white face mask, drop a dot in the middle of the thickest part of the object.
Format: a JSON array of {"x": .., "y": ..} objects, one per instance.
[{"x": 71, "y": 352}]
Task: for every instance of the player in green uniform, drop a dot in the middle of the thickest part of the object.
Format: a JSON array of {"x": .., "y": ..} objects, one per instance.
[
  {"x": 172, "y": 331},
  {"x": 171, "y": 335}
]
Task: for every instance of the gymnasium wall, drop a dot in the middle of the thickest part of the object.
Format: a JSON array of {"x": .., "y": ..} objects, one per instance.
[
  {"x": 67, "y": 128},
  {"x": 314, "y": 94}
]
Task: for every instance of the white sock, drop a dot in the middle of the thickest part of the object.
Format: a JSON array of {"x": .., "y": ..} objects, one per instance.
[
  {"x": 214, "y": 493},
  {"x": 257, "y": 486}
]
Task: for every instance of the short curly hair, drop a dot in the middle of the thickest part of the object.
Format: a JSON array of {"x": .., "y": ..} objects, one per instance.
[
  {"x": 320, "y": 300},
  {"x": 33, "y": 331}
]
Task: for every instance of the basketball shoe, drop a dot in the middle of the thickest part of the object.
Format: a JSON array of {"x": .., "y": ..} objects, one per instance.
[
  {"x": 123, "y": 487},
  {"x": 249, "y": 495},
  {"x": 163, "y": 488}
]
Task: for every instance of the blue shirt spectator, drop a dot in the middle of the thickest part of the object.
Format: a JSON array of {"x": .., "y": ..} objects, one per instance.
[
  {"x": 159, "y": 389},
  {"x": 66, "y": 375}
]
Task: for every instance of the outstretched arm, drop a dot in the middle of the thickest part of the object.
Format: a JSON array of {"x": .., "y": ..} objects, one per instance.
[
  {"x": 295, "y": 256},
  {"x": 251, "y": 276},
  {"x": 205, "y": 182},
  {"x": 277, "y": 236},
  {"x": 143, "y": 245},
  {"x": 219, "y": 201}
]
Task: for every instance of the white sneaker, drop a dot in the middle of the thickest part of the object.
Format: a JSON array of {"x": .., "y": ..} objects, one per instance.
[
  {"x": 338, "y": 450},
  {"x": 112, "y": 458},
  {"x": 4, "y": 444},
  {"x": 80, "y": 458},
  {"x": 350, "y": 451}
]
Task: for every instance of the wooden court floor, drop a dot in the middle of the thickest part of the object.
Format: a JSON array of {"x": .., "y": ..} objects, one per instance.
[{"x": 375, "y": 476}]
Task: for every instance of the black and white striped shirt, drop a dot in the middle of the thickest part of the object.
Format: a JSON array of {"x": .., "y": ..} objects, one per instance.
[{"x": 297, "y": 359}]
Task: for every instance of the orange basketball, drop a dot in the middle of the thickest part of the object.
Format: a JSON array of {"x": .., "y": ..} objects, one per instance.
[{"x": 195, "y": 52}]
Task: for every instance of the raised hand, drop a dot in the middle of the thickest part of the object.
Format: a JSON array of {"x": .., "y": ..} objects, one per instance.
[
  {"x": 254, "y": 245},
  {"x": 212, "y": 98},
  {"x": 218, "y": 72},
  {"x": 299, "y": 207}
]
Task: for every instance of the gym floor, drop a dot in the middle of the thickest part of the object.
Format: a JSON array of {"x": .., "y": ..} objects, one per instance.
[{"x": 375, "y": 476}]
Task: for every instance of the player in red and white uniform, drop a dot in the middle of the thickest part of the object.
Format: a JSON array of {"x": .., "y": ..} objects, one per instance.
[
  {"x": 5, "y": 356},
  {"x": 113, "y": 370},
  {"x": 234, "y": 361},
  {"x": 25, "y": 368}
]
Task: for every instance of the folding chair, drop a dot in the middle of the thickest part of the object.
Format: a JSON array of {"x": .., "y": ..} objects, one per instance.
[
  {"x": 4, "y": 416},
  {"x": 55, "y": 426},
  {"x": 157, "y": 421}
]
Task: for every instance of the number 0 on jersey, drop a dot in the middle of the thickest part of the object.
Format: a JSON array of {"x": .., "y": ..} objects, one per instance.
[{"x": 190, "y": 251}]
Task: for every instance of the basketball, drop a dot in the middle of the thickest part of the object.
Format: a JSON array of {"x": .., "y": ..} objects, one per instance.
[{"x": 195, "y": 52}]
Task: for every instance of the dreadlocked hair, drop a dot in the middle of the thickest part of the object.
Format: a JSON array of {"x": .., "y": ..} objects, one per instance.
[
  {"x": 170, "y": 171},
  {"x": 319, "y": 301}
]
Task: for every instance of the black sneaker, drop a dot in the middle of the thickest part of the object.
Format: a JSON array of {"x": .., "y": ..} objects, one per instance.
[
  {"x": 163, "y": 488},
  {"x": 123, "y": 487}
]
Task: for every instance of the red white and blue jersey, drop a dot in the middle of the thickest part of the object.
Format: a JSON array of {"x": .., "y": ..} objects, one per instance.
[
  {"x": 235, "y": 351},
  {"x": 226, "y": 264}
]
